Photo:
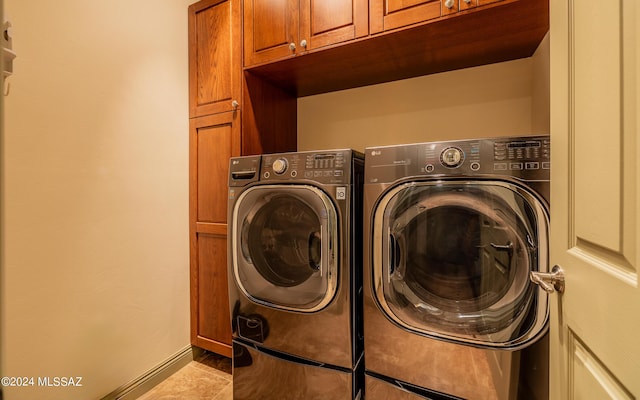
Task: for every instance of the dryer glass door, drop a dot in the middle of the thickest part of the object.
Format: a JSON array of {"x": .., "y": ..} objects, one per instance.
[
  {"x": 452, "y": 259},
  {"x": 283, "y": 241}
]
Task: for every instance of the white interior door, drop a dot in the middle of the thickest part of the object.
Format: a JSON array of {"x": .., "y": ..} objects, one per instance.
[{"x": 595, "y": 198}]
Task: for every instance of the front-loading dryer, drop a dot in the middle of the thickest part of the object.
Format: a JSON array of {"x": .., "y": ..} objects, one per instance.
[
  {"x": 295, "y": 275},
  {"x": 452, "y": 231}
]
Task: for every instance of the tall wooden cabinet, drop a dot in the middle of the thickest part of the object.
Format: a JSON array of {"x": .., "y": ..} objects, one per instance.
[
  {"x": 215, "y": 89},
  {"x": 231, "y": 114}
]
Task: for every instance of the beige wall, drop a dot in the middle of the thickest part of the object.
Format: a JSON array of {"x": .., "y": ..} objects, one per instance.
[
  {"x": 510, "y": 98},
  {"x": 96, "y": 253}
]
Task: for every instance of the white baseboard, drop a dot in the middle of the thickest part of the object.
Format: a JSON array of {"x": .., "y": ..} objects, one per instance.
[{"x": 154, "y": 376}]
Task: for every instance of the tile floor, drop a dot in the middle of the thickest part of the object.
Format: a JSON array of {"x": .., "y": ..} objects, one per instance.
[{"x": 208, "y": 377}]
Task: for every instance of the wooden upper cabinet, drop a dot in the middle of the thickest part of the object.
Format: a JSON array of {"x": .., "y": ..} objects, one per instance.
[
  {"x": 215, "y": 52},
  {"x": 275, "y": 29},
  {"x": 328, "y": 22},
  {"x": 270, "y": 26},
  {"x": 392, "y": 14}
]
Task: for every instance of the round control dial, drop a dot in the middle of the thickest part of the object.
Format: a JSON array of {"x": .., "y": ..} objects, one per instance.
[
  {"x": 452, "y": 157},
  {"x": 280, "y": 166}
]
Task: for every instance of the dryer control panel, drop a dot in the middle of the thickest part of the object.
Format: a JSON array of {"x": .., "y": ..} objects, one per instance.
[{"x": 527, "y": 158}]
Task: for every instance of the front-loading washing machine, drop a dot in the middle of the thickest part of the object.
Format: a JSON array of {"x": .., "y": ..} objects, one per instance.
[
  {"x": 295, "y": 275},
  {"x": 452, "y": 231}
]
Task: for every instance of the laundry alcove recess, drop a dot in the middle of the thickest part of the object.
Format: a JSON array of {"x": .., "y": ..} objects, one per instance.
[{"x": 245, "y": 106}]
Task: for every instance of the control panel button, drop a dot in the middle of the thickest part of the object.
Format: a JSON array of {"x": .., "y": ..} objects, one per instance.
[
  {"x": 452, "y": 157},
  {"x": 532, "y": 165},
  {"x": 280, "y": 166},
  {"x": 501, "y": 166}
]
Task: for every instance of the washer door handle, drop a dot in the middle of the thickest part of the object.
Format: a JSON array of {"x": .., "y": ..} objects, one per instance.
[
  {"x": 394, "y": 254},
  {"x": 315, "y": 251},
  {"x": 549, "y": 281}
]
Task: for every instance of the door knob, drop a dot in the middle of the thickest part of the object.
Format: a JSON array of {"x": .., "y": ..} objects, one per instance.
[
  {"x": 449, "y": 3},
  {"x": 303, "y": 43},
  {"x": 549, "y": 281},
  {"x": 292, "y": 46}
]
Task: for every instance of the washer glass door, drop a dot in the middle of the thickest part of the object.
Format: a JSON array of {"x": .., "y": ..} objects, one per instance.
[
  {"x": 284, "y": 241},
  {"x": 452, "y": 259}
]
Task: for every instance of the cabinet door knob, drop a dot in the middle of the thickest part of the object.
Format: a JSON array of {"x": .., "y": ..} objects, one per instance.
[
  {"x": 449, "y": 3},
  {"x": 235, "y": 104},
  {"x": 467, "y": 1},
  {"x": 292, "y": 46},
  {"x": 303, "y": 43}
]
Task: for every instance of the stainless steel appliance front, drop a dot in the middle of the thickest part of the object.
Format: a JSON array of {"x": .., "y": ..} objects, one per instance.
[
  {"x": 452, "y": 232},
  {"x": 295, "y": 273},
  {"x": 452, "y": 259}
]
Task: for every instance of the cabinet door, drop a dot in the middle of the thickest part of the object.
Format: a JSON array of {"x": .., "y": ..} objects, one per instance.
[
  {"x": 213, "y": 322},
  {"x": 448, "y": 7},
  {"x": 213, "y": 140},
  {"x": 214, "y": 56},
  {"x": 270, "y": 27},
  {"x": 328, "y": 22},
  {"x": 467, "y": 4},
  {"x": 392, "y": 14}
]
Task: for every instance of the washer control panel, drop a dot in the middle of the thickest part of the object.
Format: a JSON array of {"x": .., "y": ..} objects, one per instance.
[{"x": 332, "y": 166}]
